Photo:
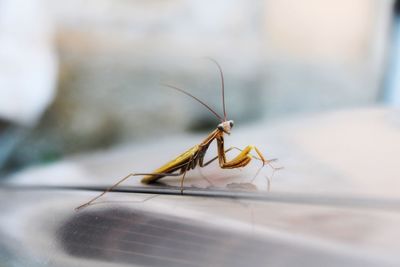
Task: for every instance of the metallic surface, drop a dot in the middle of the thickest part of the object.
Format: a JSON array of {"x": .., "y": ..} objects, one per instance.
[{"x": 39, "y": 227}]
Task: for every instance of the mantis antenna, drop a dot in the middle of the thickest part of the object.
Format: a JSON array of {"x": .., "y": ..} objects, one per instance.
[
  {"x": 195, "y": 98},
  {"x": 201, "y": 102},
  {"x": 222, "y": 84}
]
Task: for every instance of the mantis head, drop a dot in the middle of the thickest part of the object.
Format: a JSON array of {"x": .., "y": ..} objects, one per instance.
[{"x": 226, "y": 126}]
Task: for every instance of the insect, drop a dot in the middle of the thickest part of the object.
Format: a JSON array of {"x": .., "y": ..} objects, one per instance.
[{"x": 194, "y": 156}]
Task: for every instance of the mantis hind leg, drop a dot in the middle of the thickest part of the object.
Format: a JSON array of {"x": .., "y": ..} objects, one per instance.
[{"x": 121, "y": 181}]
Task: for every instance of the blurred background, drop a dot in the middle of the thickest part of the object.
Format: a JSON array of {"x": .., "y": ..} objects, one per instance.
[
  {"x": 79, "y": 76},
  {"x": 315, "y": 83}
]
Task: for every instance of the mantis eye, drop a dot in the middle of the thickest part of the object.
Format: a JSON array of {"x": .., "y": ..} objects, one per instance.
[
  {"x": 220, "y": 127},
  {"x": 231, "y": 123}
]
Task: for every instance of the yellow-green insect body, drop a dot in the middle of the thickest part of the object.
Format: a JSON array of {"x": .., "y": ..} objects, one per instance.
[{"x": 177, "y": 163}]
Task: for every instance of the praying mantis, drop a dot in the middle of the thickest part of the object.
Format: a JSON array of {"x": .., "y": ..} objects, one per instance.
[{"x": 194, "y": 156}]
